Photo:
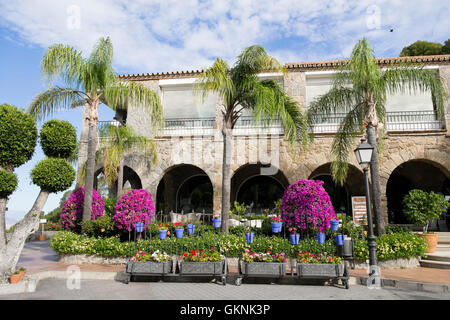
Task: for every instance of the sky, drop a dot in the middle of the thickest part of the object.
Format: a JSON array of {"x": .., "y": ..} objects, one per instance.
[{"x": 167, "y": 35}]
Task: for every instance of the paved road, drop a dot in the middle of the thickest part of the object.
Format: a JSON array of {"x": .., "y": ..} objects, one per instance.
[{"x": 56, "y": 289}]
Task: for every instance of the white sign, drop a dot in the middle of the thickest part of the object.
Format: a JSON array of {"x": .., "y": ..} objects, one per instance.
[
  {"x": 43, "y": 221},
  {"x": 359, "y": 210}
]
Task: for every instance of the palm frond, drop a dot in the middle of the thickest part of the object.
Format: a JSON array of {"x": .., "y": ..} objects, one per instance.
[
  {"x": 253, "y": 60},
  {"x": 52, "y": 100},
  {"x": 99, "y": 71}
]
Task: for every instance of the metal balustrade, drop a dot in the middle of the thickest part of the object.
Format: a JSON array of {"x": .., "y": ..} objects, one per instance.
[
  {"x": 189, "y": 126},
  {"x": 246, "y": 125}
]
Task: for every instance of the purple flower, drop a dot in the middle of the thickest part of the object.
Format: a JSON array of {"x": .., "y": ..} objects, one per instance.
[{"x": 134, "y": 206}]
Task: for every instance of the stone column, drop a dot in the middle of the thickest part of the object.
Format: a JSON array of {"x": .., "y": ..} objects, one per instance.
[{"x": 444, "y": 72}]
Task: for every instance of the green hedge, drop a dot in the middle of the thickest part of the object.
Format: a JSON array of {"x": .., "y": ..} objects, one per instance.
[
  {"x": 8, "y": 182},
  {"x": 389, "y": 246}
]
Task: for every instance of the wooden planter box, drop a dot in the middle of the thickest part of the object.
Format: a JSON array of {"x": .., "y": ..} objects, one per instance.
[
  {"x": 149, "y": 267},
  {"x": 202, "y": 268},
  {"x": 320, "y": 270},
  {"x": 276, "y": 269}
]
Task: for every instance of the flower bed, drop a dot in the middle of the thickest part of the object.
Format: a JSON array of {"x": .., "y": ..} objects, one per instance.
[
  {"x": 318, "y": 265},
  {"x": 263, "y": 263},
  {"x": 200, "y": 262},
  {"x": 146, "y": 263}
]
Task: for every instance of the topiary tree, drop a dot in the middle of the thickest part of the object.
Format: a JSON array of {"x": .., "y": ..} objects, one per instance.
[
  {"x": 72, "y": 211},
  {"x": 18, "y": 135},
  {"x": 134, "y": 206},
  {"x": 307, "y": 206},
  {"x": 58, "y": 139},
  {"x": 421, "y": 207}
]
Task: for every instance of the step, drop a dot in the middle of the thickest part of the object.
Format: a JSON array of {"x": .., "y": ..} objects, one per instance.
[
  {"x": 435, "y": 264},
  {"x": 442, "y": 247},
  {"x": 438, "y": 256}
]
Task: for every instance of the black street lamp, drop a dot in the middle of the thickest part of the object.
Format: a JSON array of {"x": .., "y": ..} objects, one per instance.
[{"x": 364, "y": 156}]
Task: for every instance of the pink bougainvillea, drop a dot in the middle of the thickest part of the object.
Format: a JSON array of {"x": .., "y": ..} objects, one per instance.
[
  {"x": 72, "y": 211},
  {"x": 307, "y": 206},
  {"x": 134, "y": 206}
]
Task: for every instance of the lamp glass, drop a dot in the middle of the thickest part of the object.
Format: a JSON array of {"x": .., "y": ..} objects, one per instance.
[{"x": 365, "y": 155}]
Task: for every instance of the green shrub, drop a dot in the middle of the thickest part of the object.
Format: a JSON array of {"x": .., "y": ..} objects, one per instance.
[
  {"x": 53, "y": 216},
  {"x": 18, "y": 136},
  {"x": 8, "y": 182},
  {"x": 101, "y": 227},
  {"x": 53, "y": 175},
  {"x": 58, "y": 139},
  {"x": 421, "y": 207},
  {"x": 110, "y": 204}
]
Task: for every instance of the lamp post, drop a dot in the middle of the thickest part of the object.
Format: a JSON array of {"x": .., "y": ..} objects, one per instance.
[{"x": 364, "y": 156}]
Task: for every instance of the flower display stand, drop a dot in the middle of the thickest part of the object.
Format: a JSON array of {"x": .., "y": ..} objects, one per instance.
[
  {"x": 260, "y": 269},
  {"x": 204, "y": 269},
  {"x": 325, "y": 271},
  {"x": 147, "y": 268}
]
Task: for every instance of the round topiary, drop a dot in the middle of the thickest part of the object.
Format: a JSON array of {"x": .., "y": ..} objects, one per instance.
[
  {"x": 18, "y": 135},
  {"x": 307, "y": 206},
  {"x": 134, "y": 206},
  {"x": 8, "y": 183},
  {"x": 72, "y": 211},
  {"x": 58, "y": 139},
  {"x": 53, "y": 175}
]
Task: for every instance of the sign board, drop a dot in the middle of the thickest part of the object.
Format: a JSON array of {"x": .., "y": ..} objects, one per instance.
[
  {"x": 43, "y": 221},
  {"x": 359, "y": 210}
]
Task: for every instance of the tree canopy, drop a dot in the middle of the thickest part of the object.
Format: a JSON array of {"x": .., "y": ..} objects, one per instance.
[{"x": 426, "y": 48}]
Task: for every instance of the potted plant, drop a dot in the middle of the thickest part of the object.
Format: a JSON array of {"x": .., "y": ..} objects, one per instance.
[
  {"x": 15, "y": 277},
  {"x": 249, "y": 235},
  {"x": 320, "y": 235},
  {"x": 334, "y": 224},
  {"x": 179, "y": 229},
  {"x": 263, "y": 263},
  {"x": 145, "y": 263},
  {"x": 318, "y": 265},
  {"x": 162, "y": 230},
  {"x": 22, "y": 271},
  {"x": 295, "y": 237},
  {"x": 200, "y": 262},
  {"x": 276, "y": 224},
  {"x": 420, "y": 208},
  {"x": 42, "y": 237},
  {"x": 139, "y": 226},
  {"x": 190, "y": 228},
  {"x": 216, "y": 221}
]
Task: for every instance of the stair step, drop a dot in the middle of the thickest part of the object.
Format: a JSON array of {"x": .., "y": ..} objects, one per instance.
[
  {"x": 435, "y": 264},
  {"x": 438, "y": 256}
]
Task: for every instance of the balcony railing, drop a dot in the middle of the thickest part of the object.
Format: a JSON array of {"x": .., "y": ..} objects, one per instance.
[
  {"x": 246, "y": 125},
  {"x": 189, "y": 127}
]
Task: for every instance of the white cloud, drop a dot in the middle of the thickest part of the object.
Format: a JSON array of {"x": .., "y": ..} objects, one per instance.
[{"x": 155, "y": 36}]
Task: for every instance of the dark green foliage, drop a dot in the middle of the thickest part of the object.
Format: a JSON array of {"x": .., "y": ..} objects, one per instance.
[
  {"x": 58, "y": 139},
  {"x": 18, "y": 135},
  {"x": 8, "y": 182},
  {"x": 446, "y": 47},
  {"x": 110, "y": 204},
  {"x": 53, "y": 175},
  {"x": 102, "y": 227},
  {"x": 424, "y": 48},
  {"x": 53, "y": 216}
]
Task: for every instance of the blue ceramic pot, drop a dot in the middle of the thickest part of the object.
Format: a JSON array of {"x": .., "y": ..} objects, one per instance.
[
  {"x": 162, "y": 234},
  {"x": 339, "y": 240},
  {"x": 190, "y": 228},
  {"x": 320, "y": 237},
  {"x": 276, "y": 226},
  {"x": 179, "y": 233},
  {"x": 295, "y": 238},
  {"x": 139, "y": 226},
  {"x": 249, "y": 237},
  {"x": 334, "y": 225},
  {"x": 217, "y": 222}
]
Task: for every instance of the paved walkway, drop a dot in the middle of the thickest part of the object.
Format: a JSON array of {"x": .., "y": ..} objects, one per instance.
[{"x": 38, "y": 257}]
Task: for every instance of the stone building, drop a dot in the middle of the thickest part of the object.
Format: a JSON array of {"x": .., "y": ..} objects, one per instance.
[{"x": 188, "y": 173}]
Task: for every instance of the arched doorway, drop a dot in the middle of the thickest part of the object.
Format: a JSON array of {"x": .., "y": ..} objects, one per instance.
[
  {"x": 131, "y": 180},
  {"x": 257, "y": 191},
  {"x": 185, "y": 188},
  {"x": 414, "y": 174}
]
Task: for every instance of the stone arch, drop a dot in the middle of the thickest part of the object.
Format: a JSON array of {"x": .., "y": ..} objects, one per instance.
[
  {"x": 421, "y": 174},
  {"x": 340, "y": 195},
  {"x": 130, "y": 176}
]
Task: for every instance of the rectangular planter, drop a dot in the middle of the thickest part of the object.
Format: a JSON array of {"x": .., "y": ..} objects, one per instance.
[
  {"x": 149, "y": 267},
  {"x": 320, "y": 270},
  {"x": 202, "y": 268},
  {"x": 276, "y": 269}
]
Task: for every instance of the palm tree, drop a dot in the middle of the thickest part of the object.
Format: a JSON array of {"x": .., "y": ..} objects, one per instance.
[
  {"x": 116, "y": 142},
  {"x": 359, "y": 89},
  {"x": 239, "y": 89},
  {"x": 89, "y": 81}
]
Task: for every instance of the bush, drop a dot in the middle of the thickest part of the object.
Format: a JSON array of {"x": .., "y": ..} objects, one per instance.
[
  {"x": 53, "y": 216},
  {"x": 18, "y": 136},
  {"x": 72, "y": 211},
  {"x": 58, "y": 139},
  {"x": 134, "y": 206},
  {"x": 101, "y": 227},
  {"x": 421, "y": 207},
  {"x": 307, "y": 206},
  {"x": 8, "y": 183},
  {"x": 53, "y": 175},
  {"x": 110, "y": 205}
]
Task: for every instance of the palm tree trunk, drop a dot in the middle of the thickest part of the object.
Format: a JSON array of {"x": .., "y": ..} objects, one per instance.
[
  {"x": 375, "y": 177},
  {"x": 120, "y": 179},
  {"x": 226, "y": 172},
  {"x": 90, "y": 168}
]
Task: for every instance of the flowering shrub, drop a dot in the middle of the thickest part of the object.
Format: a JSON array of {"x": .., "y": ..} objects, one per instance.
[
  {"x": 134, "y": 206},
  {"x": 202, "y": 256},
  {"x": 307, "y": 206},
  {"x": 252, "y": 256},
  {"x": 165, "y": 226},
  {"x": 72, "y": 211},
  {"x": 307, "y": 257},
  {"x": 178, "y": 225},
  {"x": 156, "y": 256}
]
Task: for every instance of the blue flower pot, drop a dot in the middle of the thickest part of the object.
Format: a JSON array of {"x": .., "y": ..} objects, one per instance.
[
  {"x": 320, "y": 237},
  {"x": 179, "y": 233},
  {"x": 249, "y": 237},
  {"x": 334, "y": 225},
  {"x": 139, "y": 226},
  {"x": 190, "y": 228},
  {"x": 217, "y": 222},
  {"x": 276, "y": 226},
  {"x": 295, "y": 238},
  {"x": 162, "y": 234},
  {"x": 339, "y": 240}
]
